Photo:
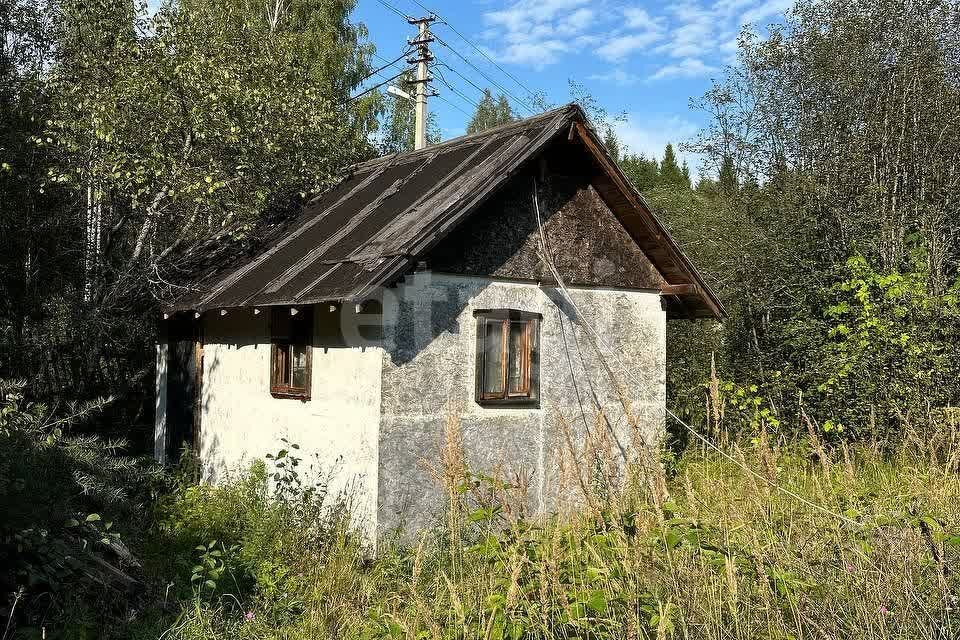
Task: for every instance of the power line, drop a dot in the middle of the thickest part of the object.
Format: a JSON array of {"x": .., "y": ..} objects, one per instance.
[
  {"x": 452, "y": 104},
  {"x": 456, "y": 91},
  {"x": 468, "y": 80},
  {"x": 394, "y": 9},
  {"x": 477, "y": 49},
  {"x": 478, "y": 70},
  {"x": 376, "y": 86},
  {"x": 388, "y": 64}
]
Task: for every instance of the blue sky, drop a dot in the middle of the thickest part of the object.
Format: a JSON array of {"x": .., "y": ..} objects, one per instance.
[{"x": 643, "y": 58}]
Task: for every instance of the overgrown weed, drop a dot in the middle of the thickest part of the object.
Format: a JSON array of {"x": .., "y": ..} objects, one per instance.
[{"x": 722, "y": 554}]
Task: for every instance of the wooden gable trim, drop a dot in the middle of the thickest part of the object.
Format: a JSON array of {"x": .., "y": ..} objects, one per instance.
[{"x": 684, "y": 281}]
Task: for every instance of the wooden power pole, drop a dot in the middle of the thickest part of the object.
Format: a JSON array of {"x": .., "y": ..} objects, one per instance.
[{"x": 423, "y": 60}]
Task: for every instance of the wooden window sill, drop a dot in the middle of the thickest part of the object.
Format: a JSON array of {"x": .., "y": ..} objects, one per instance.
[{"x": 290, "y": 395}]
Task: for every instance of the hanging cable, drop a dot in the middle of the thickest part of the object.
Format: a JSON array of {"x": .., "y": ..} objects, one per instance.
[
  {"x": 376, "y": 86},
  {"x": 480, "y": 71},
  {"x": 598, "y": 340},
  {"x": 376, "y": 72},
  {"x": 452, "y": 104},
  {"x": 443, "y": 80},
  {"x": 468, "y": 80},
  {"x": 394, "y": 9},
  {"x": 483, "y": 53}
]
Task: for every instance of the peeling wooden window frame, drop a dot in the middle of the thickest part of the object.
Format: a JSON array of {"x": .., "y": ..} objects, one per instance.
[
  {"x": 529, "y": 358},
  {"x": 279, "y": 389}
]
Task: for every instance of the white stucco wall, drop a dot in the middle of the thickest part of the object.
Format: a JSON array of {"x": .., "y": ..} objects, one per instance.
[
  {"x": 376, "y": 416},
  {"x": 429, "y": 374},
  {"x": 336, "y": 429}
]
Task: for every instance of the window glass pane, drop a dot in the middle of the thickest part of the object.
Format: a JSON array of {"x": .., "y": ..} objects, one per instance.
[
  {"x": 298, "y": 361},
  {"x": 516, "y": 367},
  {"x": 493, "y": 357},
  {"x": 281, "y": 366}
]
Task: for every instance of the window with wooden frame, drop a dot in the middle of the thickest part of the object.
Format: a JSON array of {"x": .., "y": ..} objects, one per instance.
[
  {"x": 508, "y": 360},
  {"x": 290, "y": 357}
]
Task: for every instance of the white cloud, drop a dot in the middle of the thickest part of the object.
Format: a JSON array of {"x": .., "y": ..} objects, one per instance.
[
  {"x": 650, "y": 136},
  {"x": 536, "y": 32},
  {"x": 696, "y": 36},
  {"x": 616, "y": 76},
  {"x": 618, "y": 48},
  {"x": 536, "y": 54},
  {"x": 638, "y": 18},
  {"x": 768, "y": 9},
  {"x": 686, "y": 68}
]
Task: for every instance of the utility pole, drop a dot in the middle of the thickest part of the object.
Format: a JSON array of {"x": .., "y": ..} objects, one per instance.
[{"x": 423, "y": 60}]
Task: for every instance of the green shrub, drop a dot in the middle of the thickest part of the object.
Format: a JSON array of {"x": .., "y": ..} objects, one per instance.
[
  {"x": 884, "y": 355},
  {"x": 66, "y": 498}
]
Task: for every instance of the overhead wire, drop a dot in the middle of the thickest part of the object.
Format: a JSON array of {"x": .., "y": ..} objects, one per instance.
[
  {"x": 454, "y": 105},
  {"x": 598, "y": 340},
  {"x": 483, "y": 53},
  {"x": 376, "y": 72},
  {"x": 394, "y": 9},
  {"x": 519, "y": 101},
  {"x": 472, "y": 103},
  {"x": 466, "y": 79},
  {"x": 499, "y": 86},
  {"x": 376, "y": 86}
]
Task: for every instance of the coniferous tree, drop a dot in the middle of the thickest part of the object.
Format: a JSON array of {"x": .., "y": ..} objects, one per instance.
[
  {"x": 490, "y": 113},
  {"x": 612, "y": 144},
  {"x": 728, "y": 176},
  {"x": 504, "y": 111},
  {"x": 670, "y": 171},
  {"x": 643, "y": 172}
]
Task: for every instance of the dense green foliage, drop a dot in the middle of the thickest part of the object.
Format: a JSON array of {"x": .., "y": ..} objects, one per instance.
[
  {"x": 64, "y": 496},
  {"x": 490, "y": 113},
  {"x": 829, "y": 228},
  {"x": 132, "y": 135}
]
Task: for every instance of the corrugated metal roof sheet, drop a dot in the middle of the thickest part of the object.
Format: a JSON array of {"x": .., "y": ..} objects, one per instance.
[{"x": 367, "y": 230}]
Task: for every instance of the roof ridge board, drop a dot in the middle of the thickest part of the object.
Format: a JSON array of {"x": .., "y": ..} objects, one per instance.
[{"x": 472, "y": 137}]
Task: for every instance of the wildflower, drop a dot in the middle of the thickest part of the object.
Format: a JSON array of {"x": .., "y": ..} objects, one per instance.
[
  {"x": 250, "y": 616},
  {"x": 849, "y": 568},
  {"x": 883, "y": 610}
]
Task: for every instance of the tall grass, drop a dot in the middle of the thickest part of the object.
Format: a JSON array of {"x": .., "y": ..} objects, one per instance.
[{"x": 706, "y": 550}]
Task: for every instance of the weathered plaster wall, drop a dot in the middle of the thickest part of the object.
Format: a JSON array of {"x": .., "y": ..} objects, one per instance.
[
  {"x": 336, "y": 429},
  {"x": 428, "y": 376}
]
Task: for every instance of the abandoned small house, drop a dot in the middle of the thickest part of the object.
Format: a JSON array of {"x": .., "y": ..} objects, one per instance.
[{"x": 451, "y": 283}]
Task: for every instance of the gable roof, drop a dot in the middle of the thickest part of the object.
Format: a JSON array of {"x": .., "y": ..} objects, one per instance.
[{"x": 368, "y": 231}]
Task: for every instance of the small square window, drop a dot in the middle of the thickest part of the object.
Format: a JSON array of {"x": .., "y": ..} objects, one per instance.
[
  {"x": 508, "y": 362},
  {"x": 290, "y": 352}
]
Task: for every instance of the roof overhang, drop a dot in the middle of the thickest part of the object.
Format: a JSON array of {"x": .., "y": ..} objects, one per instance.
[{"x": 320, "y": 271}]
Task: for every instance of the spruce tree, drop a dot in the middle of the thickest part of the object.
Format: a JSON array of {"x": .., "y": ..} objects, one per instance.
[
  {"x": 643, "y": 172},
  {"x": 490, "y": 113},
  {"x": 728, "y": 176},
  {"x": 670, "y": 172},
  {"x": 612, "y": 144}
]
